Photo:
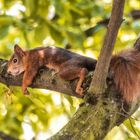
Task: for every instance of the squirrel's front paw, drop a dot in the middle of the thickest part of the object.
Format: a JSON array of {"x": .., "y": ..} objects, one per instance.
[{"x": 79, "y": 90}]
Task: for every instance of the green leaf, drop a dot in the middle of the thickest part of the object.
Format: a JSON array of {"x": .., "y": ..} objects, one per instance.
[
  {"x": 31, "y": 7},
  {"x": 76, "y": 39},
  {"x": 55, "y": 33},
  {"x": 4, "y": 20},
  {"x": 4, "y": 31},
  {"x": 40, "y": 32}
]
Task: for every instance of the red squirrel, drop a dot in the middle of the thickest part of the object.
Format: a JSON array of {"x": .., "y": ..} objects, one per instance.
[
  {"x": 124, "y": 68},
  {"x": 68, "y": 65}
]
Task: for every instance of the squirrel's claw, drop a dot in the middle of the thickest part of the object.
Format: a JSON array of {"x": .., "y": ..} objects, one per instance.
[{"x": 79, "y": 90}]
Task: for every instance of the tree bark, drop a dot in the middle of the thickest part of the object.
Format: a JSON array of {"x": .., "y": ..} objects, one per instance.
[{"x": 96, "y": 117}]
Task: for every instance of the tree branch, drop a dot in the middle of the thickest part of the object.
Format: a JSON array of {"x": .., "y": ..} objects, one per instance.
[
  {"x": 135, "y": 14},
  {"x": 137, "y": 44},
  {"x": 94, "y": 121},
  {"x": 98, "y": 84},
  {"x": 91, "y": 30},
  {"x": 44, "y": 80}
]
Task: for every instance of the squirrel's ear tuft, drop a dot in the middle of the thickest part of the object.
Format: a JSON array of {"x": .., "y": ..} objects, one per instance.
[{"x": 18, "y": 50}]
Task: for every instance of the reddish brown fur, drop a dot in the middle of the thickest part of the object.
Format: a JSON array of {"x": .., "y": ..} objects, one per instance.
[
  {"x": 67, "y": 64},
  {"x": 125, "y": 68}
]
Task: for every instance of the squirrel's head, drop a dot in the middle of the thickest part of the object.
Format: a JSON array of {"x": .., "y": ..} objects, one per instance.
[{"x": 16, "y": 62}]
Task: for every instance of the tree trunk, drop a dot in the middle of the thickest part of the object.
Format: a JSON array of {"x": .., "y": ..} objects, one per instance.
[
  {"x": 98, "y": 84},
  {"x": 94, "y": 121}
]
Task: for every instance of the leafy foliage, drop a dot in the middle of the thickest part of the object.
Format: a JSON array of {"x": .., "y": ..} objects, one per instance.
[{"x": 71, "y": 24}]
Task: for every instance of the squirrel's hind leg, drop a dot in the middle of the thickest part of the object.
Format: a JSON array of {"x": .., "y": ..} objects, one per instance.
[
  {"x": 82, "y": 76},
  {"x": 71, "y": 73}
]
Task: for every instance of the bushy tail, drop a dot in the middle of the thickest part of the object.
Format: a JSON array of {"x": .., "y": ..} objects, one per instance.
[{"x": 125, "y": 68}]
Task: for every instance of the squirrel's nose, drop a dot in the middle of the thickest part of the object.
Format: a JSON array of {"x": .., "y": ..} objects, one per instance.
[{"x": 9, "y": 72}]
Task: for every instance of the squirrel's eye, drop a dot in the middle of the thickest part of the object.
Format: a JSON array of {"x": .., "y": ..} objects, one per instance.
[{"x": 15, "y": 60}]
